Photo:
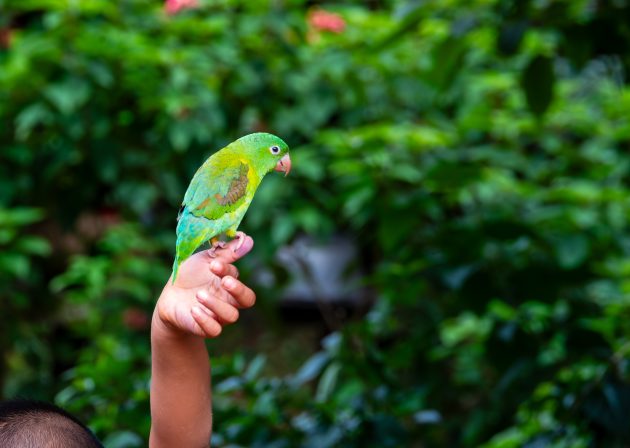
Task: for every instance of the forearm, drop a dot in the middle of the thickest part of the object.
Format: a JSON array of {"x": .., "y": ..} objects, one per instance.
[
  {"x": 181, "y": 410},
  {"x": 205, "y": 297}
]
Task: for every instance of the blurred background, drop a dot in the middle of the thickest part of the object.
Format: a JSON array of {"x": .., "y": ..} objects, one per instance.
[{"x": 447, "y": 264}]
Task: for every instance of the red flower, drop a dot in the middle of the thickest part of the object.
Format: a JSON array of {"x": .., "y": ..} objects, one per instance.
[
  {"x": 136, "y": 319},
  {"x": 172, "y": 7},
  {"x": 5, "y": 37},
  {"x": 322, "y": 20}
]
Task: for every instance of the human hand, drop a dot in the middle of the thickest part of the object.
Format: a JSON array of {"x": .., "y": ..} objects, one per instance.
[{"x": 206, "y": 294}]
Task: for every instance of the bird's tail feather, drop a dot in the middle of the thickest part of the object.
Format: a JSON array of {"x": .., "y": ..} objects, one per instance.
[
  {"x": 176, "y": 264},
  {"x": 192, "y": 232}
]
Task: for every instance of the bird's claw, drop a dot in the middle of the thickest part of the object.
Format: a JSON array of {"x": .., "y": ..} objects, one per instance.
[{"x": 212, "y": 252}]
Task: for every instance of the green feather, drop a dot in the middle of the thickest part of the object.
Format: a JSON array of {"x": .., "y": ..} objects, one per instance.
[{"x": 222, "y": 189}]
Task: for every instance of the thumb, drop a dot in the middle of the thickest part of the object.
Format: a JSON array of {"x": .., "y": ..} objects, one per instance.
[{"x": 232, "y": 252}]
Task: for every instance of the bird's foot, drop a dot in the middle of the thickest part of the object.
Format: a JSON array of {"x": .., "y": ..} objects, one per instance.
[
  {"x": 240, "y": 236},
  {"x": 218, "y": 244}
]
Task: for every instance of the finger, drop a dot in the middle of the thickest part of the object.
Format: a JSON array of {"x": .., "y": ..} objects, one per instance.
[
  {"x": 226, "y": 313},
  {"x": 219, "y": 293},
  {"x": 241, "y": 293},
  {"x": 229, "y": 254},
  {"x": 216, "y": 289},
  {"x": 209, "y": 326},
  {"x": 223, "y": 295},
  {"x": 222, "y": 269}
]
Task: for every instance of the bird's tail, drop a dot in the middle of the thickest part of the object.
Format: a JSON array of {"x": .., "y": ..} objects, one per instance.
[
  {"x": 192, "y": 232},
  {"x": 176, "y": 264}
]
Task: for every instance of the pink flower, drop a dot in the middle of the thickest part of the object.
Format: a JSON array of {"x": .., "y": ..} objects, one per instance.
[
  {"x": 322, "y": 20},
  {"x": 172, "y": 7}
]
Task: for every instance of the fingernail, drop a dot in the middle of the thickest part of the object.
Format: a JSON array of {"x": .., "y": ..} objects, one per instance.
[
  {"x": 245, "y": 247},
  {"x": 215, "y": 266},
  {"x": 202, "y": 295},
  {"x": 229, "y": 282}
]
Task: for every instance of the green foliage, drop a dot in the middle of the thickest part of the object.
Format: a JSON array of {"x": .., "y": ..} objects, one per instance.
[
  {"x": 476, "y": 153},
  {"x": 109, "y": 299},
  {"x": 21, "y": 344}
]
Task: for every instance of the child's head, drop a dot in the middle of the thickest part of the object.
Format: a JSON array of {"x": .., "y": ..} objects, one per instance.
[{"x": 27, "y": 423}]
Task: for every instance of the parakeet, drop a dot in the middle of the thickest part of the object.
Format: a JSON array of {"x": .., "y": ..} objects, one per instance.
[{"x": 222, "y": 189}]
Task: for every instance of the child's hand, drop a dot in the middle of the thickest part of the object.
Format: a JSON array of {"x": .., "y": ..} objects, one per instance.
[{"x": 206, "y": 295}]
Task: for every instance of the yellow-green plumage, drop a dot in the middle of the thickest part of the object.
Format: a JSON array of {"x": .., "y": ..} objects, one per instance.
[{"x": 222, "y": 189}]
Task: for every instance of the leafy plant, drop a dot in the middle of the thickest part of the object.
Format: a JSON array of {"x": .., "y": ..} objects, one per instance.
[{"x": 474, "y": 152}]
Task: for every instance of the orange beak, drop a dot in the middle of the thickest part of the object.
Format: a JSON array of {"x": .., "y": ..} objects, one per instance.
[{"x": 284, "y": 165}]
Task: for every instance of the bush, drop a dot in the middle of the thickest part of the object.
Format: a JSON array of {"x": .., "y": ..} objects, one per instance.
[{"x": 476, "y": 153}]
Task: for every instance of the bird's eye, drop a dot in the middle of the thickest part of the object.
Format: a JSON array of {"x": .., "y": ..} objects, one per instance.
[{"x": 274, "y": 149}]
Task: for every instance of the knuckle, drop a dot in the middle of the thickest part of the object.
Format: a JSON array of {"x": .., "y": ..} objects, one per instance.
[{"x": 219, "y": 266}]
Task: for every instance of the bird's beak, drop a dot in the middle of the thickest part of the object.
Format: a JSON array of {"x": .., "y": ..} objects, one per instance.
[{"x": 284, "y": 165}]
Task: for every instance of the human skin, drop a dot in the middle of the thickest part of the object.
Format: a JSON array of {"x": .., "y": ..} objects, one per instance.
[{"x": 205, "y": 297}]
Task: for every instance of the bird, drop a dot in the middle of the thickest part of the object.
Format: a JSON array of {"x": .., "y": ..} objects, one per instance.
[{"x": 221, "y": 191}]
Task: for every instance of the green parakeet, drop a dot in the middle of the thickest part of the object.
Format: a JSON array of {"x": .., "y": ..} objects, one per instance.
[{"x": 222, "y": 189}]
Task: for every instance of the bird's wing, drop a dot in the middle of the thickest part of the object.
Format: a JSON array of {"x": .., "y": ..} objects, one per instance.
[{"x": 215, "y": 191}]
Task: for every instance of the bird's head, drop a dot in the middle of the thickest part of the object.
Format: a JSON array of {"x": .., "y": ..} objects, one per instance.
[{"x": 267, "y": 151}]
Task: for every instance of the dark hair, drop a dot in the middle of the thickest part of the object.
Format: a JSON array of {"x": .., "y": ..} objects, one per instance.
[{"x": 29, "y": 423}]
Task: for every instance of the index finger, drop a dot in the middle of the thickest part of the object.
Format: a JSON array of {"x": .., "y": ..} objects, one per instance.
[{"x": 222, "y": 269}]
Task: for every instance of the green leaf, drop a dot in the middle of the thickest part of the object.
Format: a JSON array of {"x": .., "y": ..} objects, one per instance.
[
  {"x": 17, "y": 265},
  {"x": 20, "y": 216},
  {"x": 30, "y": 117},
  {"x": 34, "y": 246},
  {"x": 327, "y": 382},
  {"x": 282, "y": 230},
  {"x": 571, "y": 250},
  {"x": 510, "y": 37},
  {"x": 68, "y": 96},
  {"x": 538, "y": 82},
  {"x": 255, "y": 367},
  {"x": 7, "y": 235},
  {"x": 310, "y": 369},
  {"x": 123, "y": 439}
]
